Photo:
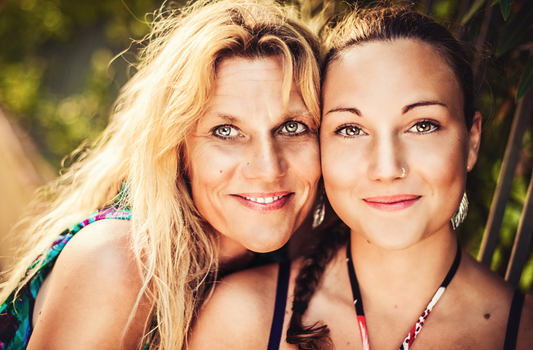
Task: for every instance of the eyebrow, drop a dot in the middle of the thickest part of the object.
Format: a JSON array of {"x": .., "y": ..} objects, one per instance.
[
  {"x": 228, "y": 117},
  {"x": 286, "y": 117},
  {"x": 422, "y": 104},
  {"x": 298, "y": 113},
  {"x": 404, "y": 109},
  {"x": 349, "y": 110}
]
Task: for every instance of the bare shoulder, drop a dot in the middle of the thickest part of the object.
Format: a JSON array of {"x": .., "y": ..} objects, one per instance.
[
  {"x": 98, "y": 254},
  {"x": 482, "y": 301},
  {"x": 239, "y": 313},
  {"x": 525, "y": 332},
  {"x": 484, "y": 283},
  {"x": 91, "y": 292}
]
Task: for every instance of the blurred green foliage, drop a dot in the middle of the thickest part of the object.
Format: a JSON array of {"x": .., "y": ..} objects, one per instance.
[
  {"x": 57, "y": 82},
  {"x": 56, "y": 79}
]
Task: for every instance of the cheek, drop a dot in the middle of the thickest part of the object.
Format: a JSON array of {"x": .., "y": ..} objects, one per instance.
[
  {"x": 341, "y": 169},
  {"x": 211, "y": 169},
  {"x": 343, "y": 159},
  {"x": 441, "y": 167},
  {"x": 304, "y": 162},
  {"x": 442, "y": 164}
]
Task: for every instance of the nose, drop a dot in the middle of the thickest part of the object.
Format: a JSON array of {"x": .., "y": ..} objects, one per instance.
[
  {"x": 265, "y": 160},
  {"x": 387, "y": 159}
]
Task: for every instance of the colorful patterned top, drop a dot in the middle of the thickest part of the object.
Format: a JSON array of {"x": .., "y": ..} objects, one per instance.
[{"x": 16, "y": 316}]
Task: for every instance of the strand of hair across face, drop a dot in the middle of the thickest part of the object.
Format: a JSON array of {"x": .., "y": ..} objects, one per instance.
[{"x": 316, "y": 336}]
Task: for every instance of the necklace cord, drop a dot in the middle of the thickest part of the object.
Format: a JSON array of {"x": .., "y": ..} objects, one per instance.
[
  {"x": 358, "y": 300},
  {"x": 453, "y": 268}
]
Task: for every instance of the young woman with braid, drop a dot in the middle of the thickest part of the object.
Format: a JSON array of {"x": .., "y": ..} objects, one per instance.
[
  {"x": 399, "y": 134},
  {"x": 212, "y": 152}
]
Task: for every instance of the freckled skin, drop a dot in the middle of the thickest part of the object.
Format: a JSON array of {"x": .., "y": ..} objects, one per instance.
[{"x": 261, "y": 156}]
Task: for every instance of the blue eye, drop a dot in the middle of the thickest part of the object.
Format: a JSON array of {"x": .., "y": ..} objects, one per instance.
[
  {"x": 225, "y": 131},
  {"x": 423, "y": 127},
  {"x": 293, "y": 128}
]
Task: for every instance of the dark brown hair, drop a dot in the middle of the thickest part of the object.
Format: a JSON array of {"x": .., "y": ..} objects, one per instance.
[
  {"x": 388, "y": 24},
  {"x": 385, "y": 25},
  {"x": 320, "y": 252}
]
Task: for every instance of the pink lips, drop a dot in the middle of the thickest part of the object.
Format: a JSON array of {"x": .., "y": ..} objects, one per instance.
[
  {"x": 392, "y": 203},
  {"x": 264, "y": 201}
]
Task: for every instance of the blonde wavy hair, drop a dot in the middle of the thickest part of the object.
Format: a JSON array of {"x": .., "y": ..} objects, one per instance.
[{"x": 144, "y": 146}]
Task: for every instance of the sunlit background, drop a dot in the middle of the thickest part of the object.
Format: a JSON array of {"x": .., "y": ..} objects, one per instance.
[{"x": 61, "y": 68}]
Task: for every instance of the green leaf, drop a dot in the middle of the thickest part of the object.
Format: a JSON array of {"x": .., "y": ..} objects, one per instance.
[
  {"x": 495, "y": 2},
  {"x": 526, "y": 81},
  {"x": 516, "y": 29},
  {"x": 506, "y": 6},
  {"x": 473, "y": 10}
]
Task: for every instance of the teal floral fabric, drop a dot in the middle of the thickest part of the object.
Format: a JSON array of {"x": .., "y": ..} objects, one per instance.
[{"x": 16, "y": 313}]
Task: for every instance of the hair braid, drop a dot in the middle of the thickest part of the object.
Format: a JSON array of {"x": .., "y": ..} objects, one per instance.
[{"x": 318, "y": 256}]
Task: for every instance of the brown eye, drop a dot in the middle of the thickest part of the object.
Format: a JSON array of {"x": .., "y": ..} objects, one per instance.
[
  {"x": 350, "y": 131},
  {"x": 423, "y": 127}
]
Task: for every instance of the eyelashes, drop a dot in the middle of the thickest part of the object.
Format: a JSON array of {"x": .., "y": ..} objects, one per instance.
[
  {"x": 349, "y": 130},
  {"x": 226, "y": 131},
  {"x": 293, "y": 128},
  {"x": 424, "y": 127},
  {"x": 290, "y": 128},
  {"x": 420, "y": 127}
]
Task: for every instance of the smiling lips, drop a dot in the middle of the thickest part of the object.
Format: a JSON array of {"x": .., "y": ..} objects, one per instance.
[
  {"x": 392, "y": 203},
  {"x": 264, "y": 201}
]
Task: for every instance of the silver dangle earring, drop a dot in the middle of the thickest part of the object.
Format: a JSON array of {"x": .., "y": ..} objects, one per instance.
[
  {"x": 460, "y": 216},
  {"x": 320, "y": 210}
]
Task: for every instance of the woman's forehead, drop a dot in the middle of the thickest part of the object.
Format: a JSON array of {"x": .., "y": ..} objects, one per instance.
[{"x": 397, "y": 69}]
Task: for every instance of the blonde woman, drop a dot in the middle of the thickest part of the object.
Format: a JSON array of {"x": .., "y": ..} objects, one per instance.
[{"x": 211, "y": 151}]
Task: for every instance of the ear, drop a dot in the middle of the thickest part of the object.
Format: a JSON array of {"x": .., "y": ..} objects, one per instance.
[{"x": 474, "y": 141}]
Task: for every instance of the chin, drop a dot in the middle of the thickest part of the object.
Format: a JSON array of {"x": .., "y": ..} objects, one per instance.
[
  {"x": 394, "y": 246},
  {"x": 266, "y": 242},
  {"x": 394, "y": 240}
]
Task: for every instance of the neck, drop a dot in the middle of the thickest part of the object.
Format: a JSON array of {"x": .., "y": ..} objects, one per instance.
[
  {"x": 400, "y": 274},
  {"x": 232, "y": 256}
]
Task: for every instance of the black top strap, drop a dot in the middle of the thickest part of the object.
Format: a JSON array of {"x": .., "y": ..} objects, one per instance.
[
  {"x": 356, "y": 293},
  {"x": 279, "y": 308},
  {"x": 514, "y": 321}
]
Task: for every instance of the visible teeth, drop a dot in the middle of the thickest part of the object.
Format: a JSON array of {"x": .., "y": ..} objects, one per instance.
[{"x": 266, "y": 200}]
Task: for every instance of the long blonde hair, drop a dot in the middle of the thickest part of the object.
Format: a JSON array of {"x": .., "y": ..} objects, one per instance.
[{"x": 144, "y": 146}]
